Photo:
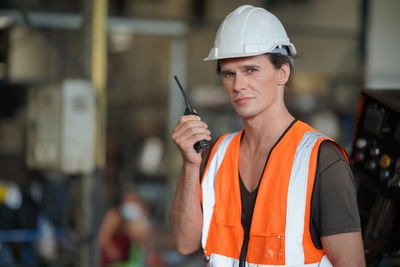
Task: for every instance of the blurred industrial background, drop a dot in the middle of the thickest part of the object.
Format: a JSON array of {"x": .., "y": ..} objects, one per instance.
[{"x": 88, "y": 101}]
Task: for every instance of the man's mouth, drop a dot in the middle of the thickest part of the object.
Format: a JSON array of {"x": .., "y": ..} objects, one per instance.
[{"x": 242, "y": 100}]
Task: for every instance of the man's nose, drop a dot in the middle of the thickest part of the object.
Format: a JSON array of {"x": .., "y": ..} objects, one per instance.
[{"x": 240, "y": 82}]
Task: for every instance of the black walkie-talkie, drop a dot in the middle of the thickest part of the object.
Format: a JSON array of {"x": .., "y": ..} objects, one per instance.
[{"x": 203, "y": 144}]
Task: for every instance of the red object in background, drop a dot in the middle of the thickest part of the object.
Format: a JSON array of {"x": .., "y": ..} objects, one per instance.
[{"x": 122, "y": 244}]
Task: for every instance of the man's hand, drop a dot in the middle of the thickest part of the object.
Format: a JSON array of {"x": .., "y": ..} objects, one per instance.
[{"x": 188, "y": 131}]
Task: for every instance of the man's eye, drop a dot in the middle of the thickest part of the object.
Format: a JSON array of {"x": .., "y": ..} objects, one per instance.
[
  {"x": 228, "y": 74},
  {"x": 251, "y": 70}
]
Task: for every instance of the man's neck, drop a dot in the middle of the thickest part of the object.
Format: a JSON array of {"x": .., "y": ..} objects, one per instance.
[{"x": 262, "y": 132}]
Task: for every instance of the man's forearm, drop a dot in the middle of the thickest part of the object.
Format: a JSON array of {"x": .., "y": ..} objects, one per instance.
[{"x": 186, "y": 215}]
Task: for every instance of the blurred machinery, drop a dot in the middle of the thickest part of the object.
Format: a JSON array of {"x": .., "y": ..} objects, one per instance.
[
  {"x": 42, "y": 170},
  {"x": 61, "y": 127},
  {"x": 376, "y": 166}
]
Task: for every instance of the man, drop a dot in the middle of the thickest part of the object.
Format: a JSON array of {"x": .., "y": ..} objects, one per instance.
[{"x": 276, "y": 193}]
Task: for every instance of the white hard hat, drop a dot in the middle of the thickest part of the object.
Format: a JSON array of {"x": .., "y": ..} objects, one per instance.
[{"x": 250, "y": 31}]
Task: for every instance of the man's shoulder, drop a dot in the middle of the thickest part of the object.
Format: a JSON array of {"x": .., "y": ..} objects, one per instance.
[{"x": 330, "y": 153}]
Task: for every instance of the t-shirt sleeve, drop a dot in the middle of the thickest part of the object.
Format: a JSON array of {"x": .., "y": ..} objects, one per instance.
[{"x": 334, "y": 207}]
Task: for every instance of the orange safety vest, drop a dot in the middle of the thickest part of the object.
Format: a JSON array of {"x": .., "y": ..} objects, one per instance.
[{"x": 280, "y": 229}]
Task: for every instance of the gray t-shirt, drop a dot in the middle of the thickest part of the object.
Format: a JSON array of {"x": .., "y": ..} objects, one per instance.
[{"x": 334, "y": 207}]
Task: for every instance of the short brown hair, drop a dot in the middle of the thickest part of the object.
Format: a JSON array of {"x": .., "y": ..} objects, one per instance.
[{"x": 277, "y": 61}]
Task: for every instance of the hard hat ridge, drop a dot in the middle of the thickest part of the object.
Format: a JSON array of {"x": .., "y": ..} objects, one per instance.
[{"x": 249, "y": 31}]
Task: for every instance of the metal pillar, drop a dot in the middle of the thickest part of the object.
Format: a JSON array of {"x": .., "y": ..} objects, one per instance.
[{"x": 95, "y": 64}]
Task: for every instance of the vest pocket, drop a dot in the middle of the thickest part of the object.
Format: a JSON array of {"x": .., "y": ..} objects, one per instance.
[{"x": 266, "y": 249}]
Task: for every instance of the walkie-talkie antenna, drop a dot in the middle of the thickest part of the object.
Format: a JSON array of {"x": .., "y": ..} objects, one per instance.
[{"x": 185, "y": 97}]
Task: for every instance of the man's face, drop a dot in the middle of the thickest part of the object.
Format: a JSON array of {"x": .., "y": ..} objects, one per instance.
[{"x": 253, "y": 84}]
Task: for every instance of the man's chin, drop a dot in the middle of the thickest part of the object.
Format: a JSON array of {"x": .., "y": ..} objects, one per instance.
[{"x": 245, "y": 114}]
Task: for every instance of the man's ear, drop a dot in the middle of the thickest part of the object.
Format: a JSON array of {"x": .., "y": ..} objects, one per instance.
[{"x": 284, "y": 74}]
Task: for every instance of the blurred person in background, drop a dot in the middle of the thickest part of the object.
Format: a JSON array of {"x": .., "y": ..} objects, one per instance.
[
  {"x": 124, "y": 232},
  {"x": 276, "y": 193}
]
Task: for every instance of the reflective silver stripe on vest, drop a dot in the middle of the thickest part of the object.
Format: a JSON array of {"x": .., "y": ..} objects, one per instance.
[
  {"x": 296, "y": 201},
  {"x": 208, "y": 183},
  {"x": 217, "y": 260}
]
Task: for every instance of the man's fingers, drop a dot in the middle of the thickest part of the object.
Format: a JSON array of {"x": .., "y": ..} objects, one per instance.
[
  {"x": 191, "y": 135},
  {"x": 190, "y": 125},
  {"x": 187, "y": 142},
  {"x": 188, "y": 122},
  {"x": 189, "y": 130}
]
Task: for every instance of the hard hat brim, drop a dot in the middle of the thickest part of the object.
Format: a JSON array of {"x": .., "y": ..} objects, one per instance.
[{"x": 214, "y": 55}]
